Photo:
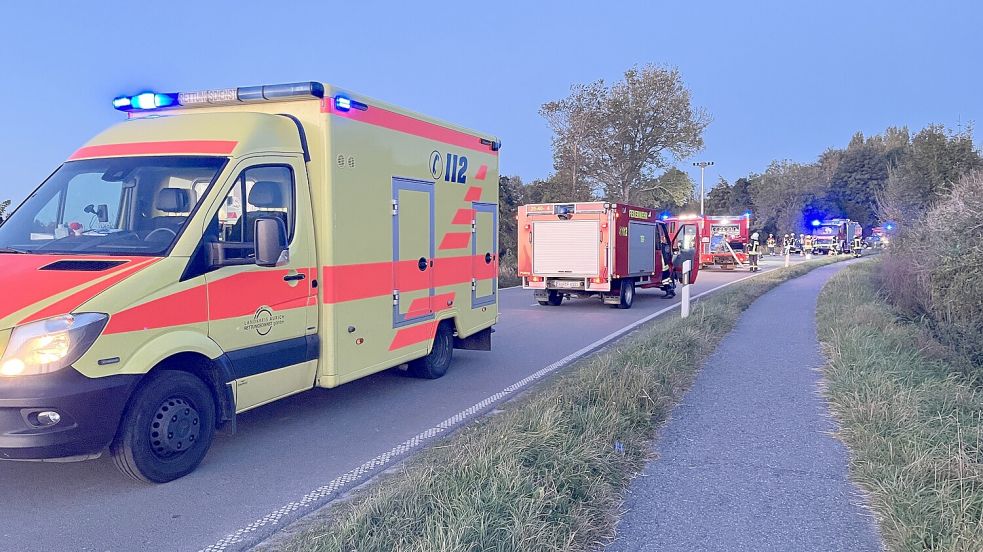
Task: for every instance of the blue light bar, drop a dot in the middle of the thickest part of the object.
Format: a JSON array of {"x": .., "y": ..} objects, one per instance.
[
  {"x": 343, "y": 103},
  {"x": 816, "y": 223},
  {"x": 298, "y": 90}
]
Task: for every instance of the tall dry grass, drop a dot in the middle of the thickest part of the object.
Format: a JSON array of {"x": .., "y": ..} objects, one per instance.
[
  {"x": 913, "y": 424},
  {"x": 934, "y": 269}
]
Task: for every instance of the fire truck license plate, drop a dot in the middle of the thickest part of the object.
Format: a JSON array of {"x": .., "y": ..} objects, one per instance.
[{"x": 566, "y": 284}]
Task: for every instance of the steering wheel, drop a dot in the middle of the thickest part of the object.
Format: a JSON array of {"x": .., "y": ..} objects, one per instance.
[{"x": 168, "y": 230}]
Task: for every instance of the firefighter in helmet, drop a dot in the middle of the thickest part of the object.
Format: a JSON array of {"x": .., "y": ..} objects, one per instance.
[
  {"x": 753, "y": 252},
  {"x": 857, "y": 246},
  {"x": 807, "y": 245},
  {"x": 771, "y": 243}
]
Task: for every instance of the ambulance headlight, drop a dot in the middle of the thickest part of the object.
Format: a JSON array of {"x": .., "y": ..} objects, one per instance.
[{"x": 50, "y": 345}]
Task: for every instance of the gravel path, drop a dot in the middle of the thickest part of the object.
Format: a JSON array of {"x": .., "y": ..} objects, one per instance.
[{"x": 747, "y": 461}]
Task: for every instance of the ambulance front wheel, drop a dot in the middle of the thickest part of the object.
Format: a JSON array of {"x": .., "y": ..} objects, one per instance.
[
  {"x": 167, "y": 428},
  {"x": 435, "y": 364}
]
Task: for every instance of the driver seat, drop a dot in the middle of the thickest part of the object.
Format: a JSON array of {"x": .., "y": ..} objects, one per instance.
[{"x": 173, "y": 200}]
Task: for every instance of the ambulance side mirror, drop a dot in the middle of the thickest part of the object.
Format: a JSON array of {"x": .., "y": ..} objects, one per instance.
[{"x": 271, "y": 242}]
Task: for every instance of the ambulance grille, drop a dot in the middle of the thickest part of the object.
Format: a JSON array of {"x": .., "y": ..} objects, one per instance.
[
  {"x": 82, "y": 266},
  {"x": 566, "y": 247}
]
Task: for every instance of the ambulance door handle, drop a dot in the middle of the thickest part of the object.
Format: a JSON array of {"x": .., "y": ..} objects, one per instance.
[
  {"x": 422, "y": 264},
  {"x": 294, "y": 277}
]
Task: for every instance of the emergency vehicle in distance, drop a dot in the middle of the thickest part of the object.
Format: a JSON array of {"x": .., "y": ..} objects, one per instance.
[
  {"x": 224, "y": 249},
  {"x": 600, "y": 249},
  {"x": 724, "y": 239},
  {"x": 834, "y": 236}
]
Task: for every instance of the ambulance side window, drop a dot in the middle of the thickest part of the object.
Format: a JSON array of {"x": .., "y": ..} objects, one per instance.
[{"x": 265, "y": 191}]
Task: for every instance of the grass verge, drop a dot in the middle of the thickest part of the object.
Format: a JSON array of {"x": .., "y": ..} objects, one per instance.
[
  {"x": 548, "y": 472},
  {"x": 910, "y": 415}
]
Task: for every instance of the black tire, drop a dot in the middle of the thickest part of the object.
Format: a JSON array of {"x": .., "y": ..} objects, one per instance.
[
  {"x": 142, "y": 449},
  {"x": 435, "y": 364},
  {"x": 627, "y": 294},
  {"x": 555, "y": 298}
]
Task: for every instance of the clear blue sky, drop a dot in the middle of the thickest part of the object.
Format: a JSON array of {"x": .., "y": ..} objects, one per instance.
[{"x": 782, "y": 79}]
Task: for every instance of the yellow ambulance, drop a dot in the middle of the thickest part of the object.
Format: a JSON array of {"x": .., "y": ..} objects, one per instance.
[{"x": 223, "y": 249}]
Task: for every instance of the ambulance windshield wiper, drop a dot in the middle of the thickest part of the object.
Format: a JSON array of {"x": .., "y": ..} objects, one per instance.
[{"x": 12, "y": 250}]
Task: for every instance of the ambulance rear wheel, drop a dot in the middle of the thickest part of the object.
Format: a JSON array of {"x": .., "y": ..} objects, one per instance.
[
  {"x": 435, "y": 364},
  {"x": 167, "y": 428},
  {"x": 627, "y": 294}
]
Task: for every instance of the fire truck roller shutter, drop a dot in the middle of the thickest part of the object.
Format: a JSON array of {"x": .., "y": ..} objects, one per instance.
[{"x": 566, "y": 247}]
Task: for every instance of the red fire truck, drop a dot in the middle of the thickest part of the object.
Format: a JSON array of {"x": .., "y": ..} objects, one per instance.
[
  {"x": 724, "y": 238},
  {"x": 601, "y": 249}
]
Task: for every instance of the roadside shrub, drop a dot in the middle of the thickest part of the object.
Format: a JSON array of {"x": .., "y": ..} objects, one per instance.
[
  {"x": 508, "y": 270},
  {"x": 934, "y": 269}
]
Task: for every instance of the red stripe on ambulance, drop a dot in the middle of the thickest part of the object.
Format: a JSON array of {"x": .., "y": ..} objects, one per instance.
[
  {"x": 178, "y": 309},
  {"x": 414, "y": 335},
  {"x": 425, "y": 305},
  {"x": 463, "y": 216},
  {"x": 74, "y": 301},
  {"x": 482, "y": 173},
  {"x": 455, "y": 240},
  {"x": 473, "y": 194},
  {"x": 402, "y": 123},
  {"x": 201, "y": 147}
]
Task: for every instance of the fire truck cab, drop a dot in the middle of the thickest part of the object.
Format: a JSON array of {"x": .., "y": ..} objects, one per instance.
[
  {"x": 223, "y": 249},
  {"x": 834, "y": 236},
  {"x": 588, "y": 249}
]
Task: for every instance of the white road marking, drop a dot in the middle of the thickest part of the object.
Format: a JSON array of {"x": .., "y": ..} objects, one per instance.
[{"x": 319, "y": 497}]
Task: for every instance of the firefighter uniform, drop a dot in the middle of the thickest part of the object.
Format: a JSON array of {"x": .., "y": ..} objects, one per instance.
[
  {"x": 753, "y": 252},
  {"x": 787, "y": 242},
  {"x": 807, "y": 245},
  {"x": 771, "y": 244},
  {"x": 858, "y": 246}
]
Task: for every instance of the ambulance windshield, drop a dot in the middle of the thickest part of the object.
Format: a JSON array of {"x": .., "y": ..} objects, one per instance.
[{"x": 114, "y": 206}]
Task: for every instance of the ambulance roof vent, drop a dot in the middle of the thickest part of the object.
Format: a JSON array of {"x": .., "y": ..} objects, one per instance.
[{"x": 225, "y": 96}]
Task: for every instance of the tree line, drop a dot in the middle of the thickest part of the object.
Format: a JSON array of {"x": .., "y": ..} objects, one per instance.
[
  {"x": 893, "y": 176},
  {"x": 622, "y": 143}
]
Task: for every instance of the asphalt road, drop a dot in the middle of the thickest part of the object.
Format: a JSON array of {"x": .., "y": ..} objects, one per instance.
[
  {"x": 294, "y": 455},
  {"x": 748, "y": 461}
]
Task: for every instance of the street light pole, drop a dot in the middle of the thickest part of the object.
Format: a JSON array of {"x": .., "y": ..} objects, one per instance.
[{"x": 702, "y": 165}]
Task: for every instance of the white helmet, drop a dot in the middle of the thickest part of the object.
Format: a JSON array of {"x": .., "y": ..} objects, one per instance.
[{"x": 754, "y": 236}]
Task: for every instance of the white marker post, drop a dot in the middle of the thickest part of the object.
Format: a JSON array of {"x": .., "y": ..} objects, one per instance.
[
  {"x": 687, "y": 266},
  {"x": 788, "y": 259}
]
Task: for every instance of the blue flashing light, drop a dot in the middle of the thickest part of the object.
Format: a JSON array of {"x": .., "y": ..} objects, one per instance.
[
  {"x": 145, "y": 100},
  {"x": 816, "y": 222},
  {"x": 747, "y": 214},
  {"x": 889, "y": 227},
  {"x": 664, "y": 215},
  {"x": 343, "y": 103}
]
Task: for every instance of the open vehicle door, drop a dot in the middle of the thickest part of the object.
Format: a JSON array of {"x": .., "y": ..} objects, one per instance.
[{"x": 686, "y": 246}]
